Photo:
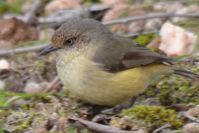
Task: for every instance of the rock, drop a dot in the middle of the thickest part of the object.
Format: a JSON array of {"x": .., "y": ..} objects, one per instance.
[
  {"x": 176, "y": 41},
  {"x": 136, "y": 27},
  {"x": 170, "y": 7},
  {"x": 185, "y": 10},
  {"x": 115, "y": 12},
  {"x": 194, "y": 111},
  {"x": 4, "y": 64},
  {"x": 32, "y": 87},
  {"x": 191, "y": 128},
  {"x": 57, "y": 5},
  {"x": 14, "y": 30},
  {"x": 153, "y": 24}
]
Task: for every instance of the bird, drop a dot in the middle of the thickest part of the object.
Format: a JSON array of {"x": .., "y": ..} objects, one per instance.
[{"x": 101, "y": 67}]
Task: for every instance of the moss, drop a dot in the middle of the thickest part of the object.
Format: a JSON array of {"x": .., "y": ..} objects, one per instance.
[
  {"x": 174, "y": 89},
  {"x": 15, "y": 7},
  {"x": 145, "y": 39},
  {"x": 153, "y": 116}
]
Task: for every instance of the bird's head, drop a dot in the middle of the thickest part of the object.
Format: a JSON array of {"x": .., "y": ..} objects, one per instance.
[{"x": 77, "y": 36}]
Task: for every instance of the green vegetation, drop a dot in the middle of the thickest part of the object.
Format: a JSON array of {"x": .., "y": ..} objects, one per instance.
[
  {"x": 14, "y": 7},
  {"x": 146, "y": 116},
  {"x": 145, "y": 39}
]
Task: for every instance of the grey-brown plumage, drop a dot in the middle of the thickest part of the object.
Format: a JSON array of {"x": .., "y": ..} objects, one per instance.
[{"x": 114, "y": 52}]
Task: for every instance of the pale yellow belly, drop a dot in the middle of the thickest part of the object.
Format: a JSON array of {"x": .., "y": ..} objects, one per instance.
[{"x": 91, "y": 84}]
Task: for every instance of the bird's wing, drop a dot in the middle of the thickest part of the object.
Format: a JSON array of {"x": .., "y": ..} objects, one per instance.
[
  {"x": 119, "y": 53},
  {"x": 135, "y": 56},
  {"x": 140, "y": 56}
]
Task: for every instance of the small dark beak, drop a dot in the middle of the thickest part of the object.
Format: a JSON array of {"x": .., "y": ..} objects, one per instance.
[{"x": 47, "y": 50}]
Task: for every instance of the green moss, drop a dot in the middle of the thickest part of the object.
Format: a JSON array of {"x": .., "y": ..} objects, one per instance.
[
  {"x": 174, "y": 89},
  {"x": 15, "y": 7},
  {"x": 153, "y": 116},
  {"x": 145, "y": 39}
]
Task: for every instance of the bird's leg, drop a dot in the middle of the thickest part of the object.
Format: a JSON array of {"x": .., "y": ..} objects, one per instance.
[{"x": 120, "y": 107}]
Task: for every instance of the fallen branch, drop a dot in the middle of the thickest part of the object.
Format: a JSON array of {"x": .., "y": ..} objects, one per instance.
[
  {"x": 7, "y": 52},
  {"x": 186, "y": 115},
  {"x": 57, "y": 20},
  {"x": 149, "y": 16},
  {"x": 79, "y": 123},
  {"x": 161, "y": 128},
  {"x": 29, "y": 17},
  {"x": 53, "y": 85}
]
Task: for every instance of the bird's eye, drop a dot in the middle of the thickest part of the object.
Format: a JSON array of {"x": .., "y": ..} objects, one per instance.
[{"x": 69, "y": 42}]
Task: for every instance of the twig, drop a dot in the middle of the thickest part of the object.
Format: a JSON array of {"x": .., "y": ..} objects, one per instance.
[
  {"x": 53, "y": 85},
  {"x": 194, "y": 119},
  {"x": 149, "y": 16},
  {"x": 31, "y": 14},
  {"x": 96, "y": 127},
  {"x": 22, "y": 50},
  {"x": 161, "y": 128}
]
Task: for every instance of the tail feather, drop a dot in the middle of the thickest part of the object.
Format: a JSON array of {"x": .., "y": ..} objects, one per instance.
[{"x": 187, "y": 74}]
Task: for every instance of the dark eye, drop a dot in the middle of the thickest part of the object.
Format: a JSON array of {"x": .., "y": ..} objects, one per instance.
[{"x": 69, "y": 42}]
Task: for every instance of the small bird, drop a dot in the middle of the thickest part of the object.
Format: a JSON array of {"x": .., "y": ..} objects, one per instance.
[{"x": 102, "y": 68}]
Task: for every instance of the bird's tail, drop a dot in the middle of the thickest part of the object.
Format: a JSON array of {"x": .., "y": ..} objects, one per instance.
[{"x": 187, "y": 74}]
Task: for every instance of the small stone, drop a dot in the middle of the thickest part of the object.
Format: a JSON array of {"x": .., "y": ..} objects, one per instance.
[
  {"x": 32, "y": 87},
  {"x": 191, "y": 128},
  {"x": 176, "y": 41},
  {"x": 57, "y": 5},
  {"x": 193, "y": 112},
  {"x": 136, "y": 27},
  {"x": 14, "y": 31},
  {"x": 4, "y": 64},
  {"x": 153, "y": 24}
]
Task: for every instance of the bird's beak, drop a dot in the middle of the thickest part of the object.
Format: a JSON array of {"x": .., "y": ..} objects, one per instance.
[{"x": 47, "y": 50}]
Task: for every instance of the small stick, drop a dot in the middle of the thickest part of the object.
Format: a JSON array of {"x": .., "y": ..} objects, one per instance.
[
  {"x": 194, "y": 119},
  {"x": 7, "y": 52},
  {"x": 78, "y": 122},
  {"x": 161, "y": 128},
  {"x": 149, "y": 16},
  {"x": 53, "y": 85},
  {"x": 31, "y": 14}
]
